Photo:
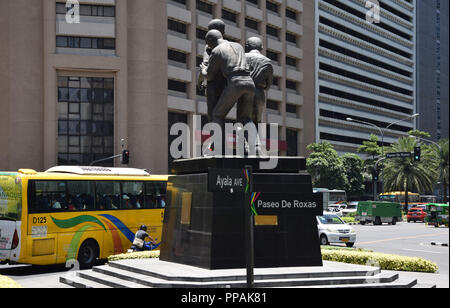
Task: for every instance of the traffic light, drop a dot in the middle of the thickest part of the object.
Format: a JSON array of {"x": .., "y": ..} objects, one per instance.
[
  {"x": 125, "y": 159},
  {"x": 375, "y": 175},
  {"x": 416, "y": 153}
]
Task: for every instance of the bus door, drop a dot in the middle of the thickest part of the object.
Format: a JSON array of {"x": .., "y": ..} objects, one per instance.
[{"x": 41, "y": 239}]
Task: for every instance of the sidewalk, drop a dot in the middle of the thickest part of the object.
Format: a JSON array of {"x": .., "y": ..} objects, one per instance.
[{"x": 440, "y": 280}]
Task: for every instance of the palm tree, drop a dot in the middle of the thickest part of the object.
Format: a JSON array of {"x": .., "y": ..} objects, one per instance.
[
  {"x": 442, "y": 157},
  {"x": 405, "y": 174}
]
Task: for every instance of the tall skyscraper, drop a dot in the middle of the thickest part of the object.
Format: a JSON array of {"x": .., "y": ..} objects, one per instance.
[
  {"x": 365, "y": 70},
  {"x": 432, "y": 67}
]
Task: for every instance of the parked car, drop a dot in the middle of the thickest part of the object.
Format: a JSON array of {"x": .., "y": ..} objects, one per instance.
[
  {"x": 351, "y": 208},
  {"x": 333, "y": 230},
  {"x": 336, "y": 208},
  {"x": 416, "y": 214}
]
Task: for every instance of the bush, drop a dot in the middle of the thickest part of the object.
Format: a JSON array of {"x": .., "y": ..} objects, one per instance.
[
  {"x": 6, "y": 282},
  {"x": 336, "y": 254},
  {"x": 347, "y": 219},
  {"x": 344, "y": 248},
  {"x": 384, "y": 261},
  {"x": 135, "y": 255}
]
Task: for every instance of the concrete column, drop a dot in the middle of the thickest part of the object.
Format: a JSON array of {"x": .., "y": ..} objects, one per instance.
[{"x": 147, "y": 85}]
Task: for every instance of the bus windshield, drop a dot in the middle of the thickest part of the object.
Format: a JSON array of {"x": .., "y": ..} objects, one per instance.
[
  {"x": 337, "y": 196},
  {"x": 10, "y": 196}
]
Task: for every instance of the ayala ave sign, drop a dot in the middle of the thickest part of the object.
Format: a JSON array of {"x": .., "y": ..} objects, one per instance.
[{"x": 261, "y": 203}]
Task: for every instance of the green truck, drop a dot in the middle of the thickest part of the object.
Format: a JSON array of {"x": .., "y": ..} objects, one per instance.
[{"x": 378, "y": 212}]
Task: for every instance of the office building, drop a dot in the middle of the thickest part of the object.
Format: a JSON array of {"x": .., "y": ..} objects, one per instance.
[
  {"x": 71, "y": 89},
  {"x": 432, "y": 67},
  {"x": 365, "y": 71}
]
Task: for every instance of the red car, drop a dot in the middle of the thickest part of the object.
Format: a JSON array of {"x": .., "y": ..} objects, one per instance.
[{"x": 416, "y": 214}]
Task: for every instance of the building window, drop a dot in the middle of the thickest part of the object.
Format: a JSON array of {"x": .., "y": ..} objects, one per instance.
[
  {"x": 204, "y": 7},
  {"x": 227, "y": 15},
  {"x": 252, "y": 24},
  {"x": 85, "y": 120},
  {"x": 178, "y": 86},
  {"x": 291, "y": 85},
  {"x": 291, "y": 38},
  {"x": 85, "y": 42},
  {"x": 272, "y": 31},
  {"x": 274, "y": 105},
  {"x": 177, "y": 26},
  {"x": 270, "y": 6},
  {"x": 173, "y": 119},
  {"x": 291, "y": 61},
  {"x": 177, "y": 56},
  {"x": 291, "y": 108},
  {"x": 274, "y": 56},
  {"x": 291, "y": 14},
  {"x": 292, "y": 142},
  {"x": 89, "y": 10}
]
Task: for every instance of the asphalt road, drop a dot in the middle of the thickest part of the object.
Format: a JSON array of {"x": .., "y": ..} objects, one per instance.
[
  {"x": 406, "y": 239},
  {"x": 403, "y": 239}
]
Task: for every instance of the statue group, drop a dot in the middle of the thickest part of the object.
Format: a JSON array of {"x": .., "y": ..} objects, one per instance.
[{"x": 233, "y": 75}]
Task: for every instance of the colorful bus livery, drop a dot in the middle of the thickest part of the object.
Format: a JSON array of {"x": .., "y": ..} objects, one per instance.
[{"x": 82, "y": 213}]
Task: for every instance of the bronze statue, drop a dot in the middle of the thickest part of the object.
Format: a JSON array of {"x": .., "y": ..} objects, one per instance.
[
  {"x": 261, "y": 71},
  {"x": 214, "y": 87},
  {"x": 228, "y": 59}
]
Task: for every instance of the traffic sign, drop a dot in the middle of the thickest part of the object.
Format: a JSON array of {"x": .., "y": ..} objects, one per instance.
[{"x": 399, "y": 155}]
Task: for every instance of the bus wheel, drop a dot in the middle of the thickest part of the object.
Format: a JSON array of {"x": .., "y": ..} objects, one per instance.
[
  {"x": 88, "y": 254},
  {"x": 394, "y": 221}
]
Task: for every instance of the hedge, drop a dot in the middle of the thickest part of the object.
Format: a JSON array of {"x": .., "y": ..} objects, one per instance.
[
  {"x": 384, "y": 261},
  {"x": 154, "y": 254},
  {"x": 6, "y": 282},
  {"x": 343, "y": 255}
]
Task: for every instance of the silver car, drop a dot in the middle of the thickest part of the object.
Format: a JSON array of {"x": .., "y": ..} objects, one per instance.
[{"x": 333, "y": 230}]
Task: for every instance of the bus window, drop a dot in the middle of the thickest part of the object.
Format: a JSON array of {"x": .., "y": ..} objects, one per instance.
[
  {"x": 48, "y": 196},
  {"x": 80, "y": 196},
  {"x": 155, "y": 194},
  {"x": 132, "y": 195},
  {"x": 107, "y": 195}
]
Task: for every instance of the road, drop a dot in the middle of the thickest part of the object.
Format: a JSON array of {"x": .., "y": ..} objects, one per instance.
[
  {"x": 409, "y": 239},
  {"x": 413, "y": 239},
  {"x": 403, "y": 239}
]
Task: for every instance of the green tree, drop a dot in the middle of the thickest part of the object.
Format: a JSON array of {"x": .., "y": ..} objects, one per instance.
[
  {"x": 404, "y": 174},
  {"x": 442, "y": 159},
  {"x": 354, "y": 167},
  {"x": 371, "y": 148},
  {"x": 326, "y": 167},
  {"x": 419, "y": 133}
]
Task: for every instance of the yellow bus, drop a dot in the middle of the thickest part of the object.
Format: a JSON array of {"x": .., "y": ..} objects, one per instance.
[
  {"x": 399, "y": 197},
  {"x": 71, "y": 213}
]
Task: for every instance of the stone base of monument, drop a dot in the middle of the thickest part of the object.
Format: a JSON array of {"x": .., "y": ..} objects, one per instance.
[{"x": 206, "y": 229}]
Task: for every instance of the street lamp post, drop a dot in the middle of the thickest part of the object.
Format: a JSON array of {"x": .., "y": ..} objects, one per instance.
[{"x": 382, "y": 131}]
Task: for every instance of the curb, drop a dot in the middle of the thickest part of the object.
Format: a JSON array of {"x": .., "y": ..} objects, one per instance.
[{"x": 439, "y": 244}]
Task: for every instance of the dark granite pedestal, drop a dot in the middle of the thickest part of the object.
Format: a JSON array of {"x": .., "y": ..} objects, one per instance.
[{"x": 206, "y": 229}]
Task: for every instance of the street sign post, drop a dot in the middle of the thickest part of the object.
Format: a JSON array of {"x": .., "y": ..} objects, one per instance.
[{"x": 399, "y": 155}]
